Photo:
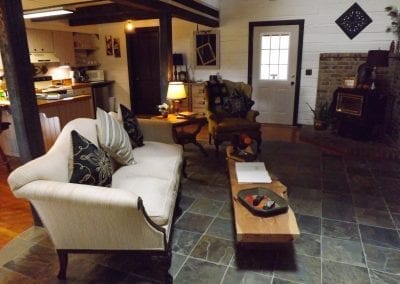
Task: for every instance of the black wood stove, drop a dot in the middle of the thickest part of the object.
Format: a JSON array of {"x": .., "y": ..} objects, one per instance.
[{"x": 358, "y": 113}]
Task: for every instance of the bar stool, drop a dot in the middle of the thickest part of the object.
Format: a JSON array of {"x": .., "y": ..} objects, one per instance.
[{"x": 4, "y": 126}]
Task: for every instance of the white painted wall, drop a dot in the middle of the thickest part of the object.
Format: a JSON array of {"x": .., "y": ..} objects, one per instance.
[
  {"x": 321, "y": 35},
  {"x": 117, "y": 67}
]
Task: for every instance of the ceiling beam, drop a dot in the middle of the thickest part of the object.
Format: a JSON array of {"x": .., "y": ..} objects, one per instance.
[
  {"x": 159, "y": 6},
  {"x": 108, "y": 13},
  {"x": 199, "y": 7},
  {"x": 122, "y": 10}
]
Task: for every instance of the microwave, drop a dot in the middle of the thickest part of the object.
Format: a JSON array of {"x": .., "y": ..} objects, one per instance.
[{"x": 95, "y": 75}]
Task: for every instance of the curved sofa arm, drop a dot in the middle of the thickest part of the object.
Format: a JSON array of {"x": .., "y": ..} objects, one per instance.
[
  {"x": 252, "y": 114},
  {"x": 91, "y": 217},
  {"x": 156, "y": 130}
]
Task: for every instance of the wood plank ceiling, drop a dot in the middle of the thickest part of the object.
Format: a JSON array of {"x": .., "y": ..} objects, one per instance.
[{"x": 100, "y": 12}]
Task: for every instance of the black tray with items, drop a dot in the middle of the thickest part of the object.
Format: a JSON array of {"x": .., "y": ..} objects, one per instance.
[
  {"x": 263, "y": 201},
  {"x": 242, "y": 155}
]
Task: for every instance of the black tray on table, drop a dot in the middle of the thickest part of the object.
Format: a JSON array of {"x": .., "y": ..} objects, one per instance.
[
  {"x": 242, "y": 155},
  {"x": 246, "y": 196}
]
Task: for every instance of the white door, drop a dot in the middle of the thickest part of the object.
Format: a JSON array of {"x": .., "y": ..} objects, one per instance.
[{"x": 274, "y": 72}]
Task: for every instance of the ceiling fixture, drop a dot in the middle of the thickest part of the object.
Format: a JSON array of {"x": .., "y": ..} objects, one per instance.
[
  {"x": 129, "y": 27},
  {"x": 48, "y": 12}
]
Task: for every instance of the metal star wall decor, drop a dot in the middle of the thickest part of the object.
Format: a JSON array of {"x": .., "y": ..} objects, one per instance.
[{"x": 353, "y": 21}]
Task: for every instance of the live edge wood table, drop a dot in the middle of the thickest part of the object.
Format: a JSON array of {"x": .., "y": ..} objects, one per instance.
[{"x": 252, "y": 229}]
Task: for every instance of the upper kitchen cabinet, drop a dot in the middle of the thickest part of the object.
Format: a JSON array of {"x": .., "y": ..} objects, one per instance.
[
  {"x": 40, "y": 40},
  {"x": 64, "y": 47},
  {"x": 85, "y": 46}
]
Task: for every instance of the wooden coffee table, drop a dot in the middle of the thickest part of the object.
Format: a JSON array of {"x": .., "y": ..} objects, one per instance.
[{"x": 280, "y": 228}]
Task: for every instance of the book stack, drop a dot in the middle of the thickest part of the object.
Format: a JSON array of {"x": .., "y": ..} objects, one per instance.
[{"x": 186, "y": 114}]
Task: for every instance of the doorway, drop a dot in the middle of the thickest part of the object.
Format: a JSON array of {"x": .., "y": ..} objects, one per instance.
[
  {"x": 144, "y": 70},
  {"x": 275, "y": 52}
]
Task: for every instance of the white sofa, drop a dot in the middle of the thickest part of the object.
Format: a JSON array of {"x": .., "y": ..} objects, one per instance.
[{"x": 134, "y": 214}]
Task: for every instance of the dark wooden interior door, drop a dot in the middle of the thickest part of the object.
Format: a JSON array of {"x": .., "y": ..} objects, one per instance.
[{"x": 144, "y": 70}]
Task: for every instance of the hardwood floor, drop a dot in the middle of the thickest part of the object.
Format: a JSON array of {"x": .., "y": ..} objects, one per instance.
[{"x": 15, "y": 214}]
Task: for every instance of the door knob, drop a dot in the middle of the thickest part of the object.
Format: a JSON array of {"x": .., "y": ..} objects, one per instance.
[{"x": 292, "y": 83}]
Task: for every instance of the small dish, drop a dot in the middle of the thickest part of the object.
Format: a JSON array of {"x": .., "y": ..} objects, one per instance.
[{"x": 247, "y": 196}]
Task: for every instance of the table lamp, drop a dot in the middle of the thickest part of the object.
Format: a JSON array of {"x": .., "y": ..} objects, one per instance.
[
  {"x": 377, "y": 58},
  {"x": 177, "y": 59},
  {"x": 176, "y": 93}
]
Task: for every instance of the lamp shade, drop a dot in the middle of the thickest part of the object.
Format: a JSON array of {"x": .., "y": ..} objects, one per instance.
[
  {"x": 176, "y": 91},
  {"x": 177, "y": 59},
  {"x": 378, "y": 58}
]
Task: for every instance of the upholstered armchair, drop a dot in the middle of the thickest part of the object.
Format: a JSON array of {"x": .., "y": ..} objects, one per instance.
[{"x": 229, "y": 112}]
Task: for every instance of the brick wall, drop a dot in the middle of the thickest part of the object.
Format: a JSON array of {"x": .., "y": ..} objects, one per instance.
[{"x": 336, "y": 67}]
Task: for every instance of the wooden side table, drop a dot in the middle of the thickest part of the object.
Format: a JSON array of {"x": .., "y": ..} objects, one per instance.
[{"x": 181, "y": 133}]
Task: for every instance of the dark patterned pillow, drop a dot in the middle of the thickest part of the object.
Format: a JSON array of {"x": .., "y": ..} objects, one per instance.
[
  {"x": 91, "y": 164},
  {"x": 131, "y": 126},
  {"x": 238, "y": 104}
]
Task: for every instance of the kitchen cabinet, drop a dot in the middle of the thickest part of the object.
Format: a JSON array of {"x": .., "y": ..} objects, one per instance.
[
  {"x": 86, "y": 46},
  {"x": 64, "y": 47},
  {"x": 40, "y": 40}
]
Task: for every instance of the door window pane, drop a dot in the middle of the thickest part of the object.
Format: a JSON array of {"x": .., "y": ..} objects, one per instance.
[
  {"x": 284, "y": 42},
  {"x": 283, "y": 57},
  {"x": 265, "y": 57},
  {"x": 274, "y": 56},
  {"x": 265, "y": 42}
]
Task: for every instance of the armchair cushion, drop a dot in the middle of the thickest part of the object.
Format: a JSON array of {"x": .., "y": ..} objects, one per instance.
[
  {"x": 236, "y": 124},
  {"x": 131, "y": 125},
  {"x": 92, "y": 165},
  {"x": 113, "y": 138},
  {"x": 217, "y": 99},
  {"x": 238, "y": 104}
]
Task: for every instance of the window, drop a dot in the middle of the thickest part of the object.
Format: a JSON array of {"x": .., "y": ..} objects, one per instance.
[{"x": 274, "y": 56}]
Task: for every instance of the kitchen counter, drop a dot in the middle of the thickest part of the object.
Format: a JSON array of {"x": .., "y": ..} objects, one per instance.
[
  {"x": 65, "y": 109},
  {"x": 64, "y": 101},
  {"x": 42, "y": 102},
  {"x": 81, "y": 85}
]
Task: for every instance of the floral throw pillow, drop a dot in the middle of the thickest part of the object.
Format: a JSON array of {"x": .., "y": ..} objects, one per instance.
[
  {"x": 92, "y": 165},
  {"x": 131, "y": 126},
  {"x": 238, "y": 104}
]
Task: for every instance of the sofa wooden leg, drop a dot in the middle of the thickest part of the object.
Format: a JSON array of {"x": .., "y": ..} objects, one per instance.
[
  {"x": 209, "y": 138},
  {"x": 259, "y": 145},
  {"x": 216, "y": 143},
  {"x": 63, "y": 260},
  {"x": 184, "y": 168},
  {"x": 167, "y": 262}
]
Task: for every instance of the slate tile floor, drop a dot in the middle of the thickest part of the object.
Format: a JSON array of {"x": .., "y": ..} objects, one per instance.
[{"x": 348, "y": 211}]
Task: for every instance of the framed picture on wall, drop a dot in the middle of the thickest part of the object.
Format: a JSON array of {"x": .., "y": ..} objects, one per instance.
[
  {"x": 206, "y": 49},
  {"x": 117, "y": 47},
  {"x": 109, "y": 45}
]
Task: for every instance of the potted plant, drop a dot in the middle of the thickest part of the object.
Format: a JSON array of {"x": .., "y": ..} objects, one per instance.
[
  {"x": 163, "y": 109},
  {"x": 321, "y": 116},
  {"x": 394, "y": 14}
]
